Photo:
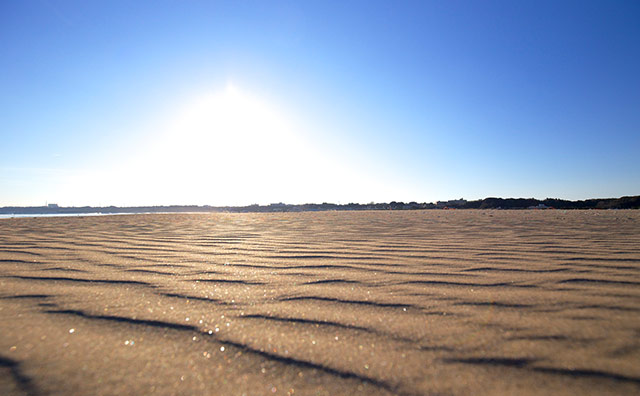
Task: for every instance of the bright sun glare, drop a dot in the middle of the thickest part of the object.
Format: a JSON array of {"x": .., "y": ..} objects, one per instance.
[
  {"x": 225, "y": 144},
  {"x": 230, "y": 148}
]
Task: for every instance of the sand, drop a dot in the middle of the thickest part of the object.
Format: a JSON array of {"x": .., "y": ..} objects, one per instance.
[{"x": 327, "y": 303}]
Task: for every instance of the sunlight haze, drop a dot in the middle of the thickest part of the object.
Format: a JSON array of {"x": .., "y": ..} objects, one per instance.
[{"x": 219, "y": 147}]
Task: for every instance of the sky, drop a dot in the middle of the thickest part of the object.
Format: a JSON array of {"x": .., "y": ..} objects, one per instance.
[{"x": 233, "y": 103}]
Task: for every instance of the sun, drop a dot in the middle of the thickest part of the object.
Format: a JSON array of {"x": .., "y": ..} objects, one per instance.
[
  {"x": 229, "y": 130},
  {"x": 228, "y": 146}
]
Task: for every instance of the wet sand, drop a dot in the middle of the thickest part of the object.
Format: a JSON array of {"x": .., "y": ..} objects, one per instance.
[{"x": 327, "y": 303}]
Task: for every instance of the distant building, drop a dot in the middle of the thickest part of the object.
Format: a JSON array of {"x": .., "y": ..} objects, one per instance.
[
  {"x": 540, "y": 206},
  {"x": 278, "y": 207},
  {"x": 52, "y": 206},
  {"x": 450, "y": 203}
]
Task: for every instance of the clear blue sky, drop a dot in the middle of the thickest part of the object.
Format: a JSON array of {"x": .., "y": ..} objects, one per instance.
[{"x": 187, "y": 102}]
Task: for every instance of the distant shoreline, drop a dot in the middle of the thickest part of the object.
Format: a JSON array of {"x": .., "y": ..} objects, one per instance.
[{"x": 627, "y": 202}]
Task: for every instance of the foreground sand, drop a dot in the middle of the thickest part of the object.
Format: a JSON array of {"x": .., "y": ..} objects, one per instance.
[{"x": 370, "y": 303}]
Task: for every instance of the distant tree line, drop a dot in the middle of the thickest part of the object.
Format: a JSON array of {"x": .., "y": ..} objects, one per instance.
[
  {"x": 631, "y": 202},
  {"x": 552, "y": 203}
]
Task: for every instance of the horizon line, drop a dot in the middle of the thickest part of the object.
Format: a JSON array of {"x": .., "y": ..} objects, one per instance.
[{"x": 54, "y": 205}]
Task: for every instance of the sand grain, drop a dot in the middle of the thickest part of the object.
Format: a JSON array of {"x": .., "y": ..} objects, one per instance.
[{"x": 410, "y": 303}]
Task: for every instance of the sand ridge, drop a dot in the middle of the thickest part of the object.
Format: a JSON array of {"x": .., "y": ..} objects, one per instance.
[{"x": 410, "y": 303}]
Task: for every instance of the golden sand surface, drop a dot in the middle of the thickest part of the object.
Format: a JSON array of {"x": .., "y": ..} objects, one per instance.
[{"x": 324, "y": 303}]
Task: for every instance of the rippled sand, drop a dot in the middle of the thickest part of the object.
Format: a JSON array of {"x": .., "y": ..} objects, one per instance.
[{"x": 369, "y": 303}]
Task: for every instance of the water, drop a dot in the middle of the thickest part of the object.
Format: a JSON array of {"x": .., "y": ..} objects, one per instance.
[{"x": 11, "y": 216}]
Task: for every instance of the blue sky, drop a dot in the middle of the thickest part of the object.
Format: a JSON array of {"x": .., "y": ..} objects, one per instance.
[{"x": 170, "y": 102}]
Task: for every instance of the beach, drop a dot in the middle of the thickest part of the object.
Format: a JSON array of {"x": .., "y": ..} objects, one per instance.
[{"x": 322, "y": 303}]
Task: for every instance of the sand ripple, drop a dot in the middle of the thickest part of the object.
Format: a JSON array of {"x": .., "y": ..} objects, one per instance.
[{"x": 409, "y": 303}]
